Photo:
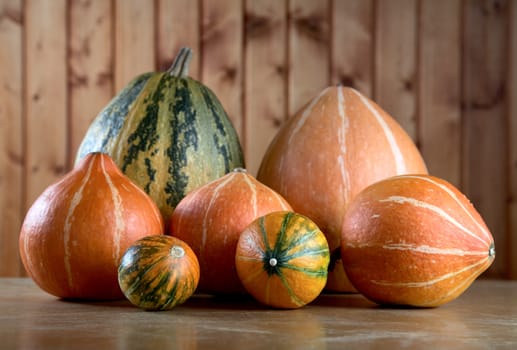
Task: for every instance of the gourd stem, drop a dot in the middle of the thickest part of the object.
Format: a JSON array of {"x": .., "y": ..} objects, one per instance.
[
  {"x": 179, "y": 67},
  {"x": 177, "y": 252}
]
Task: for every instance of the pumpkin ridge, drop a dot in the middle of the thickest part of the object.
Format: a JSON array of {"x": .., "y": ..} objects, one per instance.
[
  {"x": 435, "y": 209},
  {"x": 290, "y": 292},
  {"x": 76, "y": 199},
  {"x": 184, "y": 136},
  {"x": 322, "y": 251},
  {"x": 217, "y": 113},
  {"x": 297, "y": 240},
  {"x": 264, "y": 233},
  {"x": 215, "y": 194},
  {"x": 281, "y": 234},
  {"x": 456, "y": 199},
  {"x": 172, "y": 299},
  {"x": 388, "y": 132},
  {"x": 143, "y": 272},
  {"x": 342, "y": 138},
  {"x": 313, "y": 272},
  {"x": 466, "y": 282},
  {"x": 111, "y": 119},
  {"x": 161, "y": 280},
  {"x": 438, "y": 279},
  {"x": 118, "y": 208},
  {"x": 143, "y": 137}
]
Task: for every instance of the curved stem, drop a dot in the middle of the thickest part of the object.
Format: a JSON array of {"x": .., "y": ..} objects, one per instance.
[{"x": 179, "y": 67}]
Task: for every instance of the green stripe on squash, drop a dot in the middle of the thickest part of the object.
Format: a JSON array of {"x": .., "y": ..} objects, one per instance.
[{"x": 168, "y": 133}]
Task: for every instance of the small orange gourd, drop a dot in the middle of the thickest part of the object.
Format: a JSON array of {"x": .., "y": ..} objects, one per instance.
[
  {"x": 75, "y": 233},
  {"x": 414, "y": 240},
  {"x": 210, "y": 220},
  {"x": 282, "y": 260}
]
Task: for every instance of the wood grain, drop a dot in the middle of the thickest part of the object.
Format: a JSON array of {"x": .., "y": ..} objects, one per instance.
[
  {"x": 395, "y": 61},
  {"x": 265, "y": 71},
  {"x": 352, "y": 44},
  {"x": 484, "y": 176},
  {"x": 308, "y": 49},
  {"x": 222, "y": 56},
  {"x": 512, "y": 166},
  {"x": 439, "y": 89},
  {"x": 482, "y": 318},
  {"x": 11, "y": 135},
  {"x": 90, "y": 71},
  {"x": 448, "y": 75},
  {"x": 178, "y": 24},
  {"x": 134, "y": 40},
  {"x": 45, "y": 97}
]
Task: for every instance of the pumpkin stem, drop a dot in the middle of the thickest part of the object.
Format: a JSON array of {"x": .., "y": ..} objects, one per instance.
[
  {"x": 179, "y": 67},
  {"x": 177, "y": 252}
]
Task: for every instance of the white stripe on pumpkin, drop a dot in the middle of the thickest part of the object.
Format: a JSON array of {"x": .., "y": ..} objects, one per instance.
[
  {"x": 400, "y": 164},
  {"x": 460, "y": 286},
  {"x": 432, "y": 281},
  {"x": 435, "y": 209},
  {"x": 425, "y": 249},
  {"x": 76, "y": 199},
  {"x": 342, "y": 131},
  {"x": 215, "y": 194},
  {"x": 253, "y": 190},
  {"x": 460, "y": 203},
  {"x": 305, "y": 115},
  {"x": 118, "y": 208}
]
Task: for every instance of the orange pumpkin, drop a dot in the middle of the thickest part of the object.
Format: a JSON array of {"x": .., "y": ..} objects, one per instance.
[
  {"x": 210, "y": 220},
  {"x": 75, "y": 233},
  {"x": 282, "y": 260},
  {"x": 335, "y": 146},
  {"x": 414, "y": 240}
]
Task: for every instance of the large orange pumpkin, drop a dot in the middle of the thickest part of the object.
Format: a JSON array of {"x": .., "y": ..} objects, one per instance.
[
  {"x": 210, "y": 220},
  {"x": 75, "y": 233},
  {"x": 414, "y": 240},
  {"x": 335, "y": 146}
]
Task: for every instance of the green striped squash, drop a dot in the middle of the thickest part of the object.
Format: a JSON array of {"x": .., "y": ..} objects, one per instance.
[
  {"x": 282, "y": 259},
  {"x": 168, "y": 133},
  {"x": 158, "y": 272}
]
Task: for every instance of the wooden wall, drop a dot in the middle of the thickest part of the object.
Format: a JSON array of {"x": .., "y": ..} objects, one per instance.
[{"x": 445, "y": 69}]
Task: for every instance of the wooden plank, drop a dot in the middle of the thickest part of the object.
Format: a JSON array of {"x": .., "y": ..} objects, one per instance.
[
  {"x": 395, "y": 61},
  {"x": 309, "y": 71},
  {"x": 11, "y": 135},
  {"x": 46, "y": 97},
  {"x": 484, "y": 168},
  {"x": 352, "y": 44},
  {"x": 134, "y": 40},
  {"x": 90, "y": 79},
  {"x": 265, "y": 70},
  {"x": 178, "y": 26},
  {"x": 222, "y": 56},
  {"x": 512, "y": 166},
  {"x": 439, "y": 111}
]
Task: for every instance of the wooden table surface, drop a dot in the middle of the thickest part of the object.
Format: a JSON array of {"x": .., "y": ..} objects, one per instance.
[{"x": 484, "y": 317}]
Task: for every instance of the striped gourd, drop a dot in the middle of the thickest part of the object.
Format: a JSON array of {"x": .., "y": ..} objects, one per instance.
[
  {"x": 282, "y": 259},
  {"x": 158, "y": 273},
  {"x": 168, "y": 133},
  {"x": 75, "y": 233},
  {"x": 332, "y": 148},
  {"x": 414, "y": 240},
  {"x": 210, "y": 220}
]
